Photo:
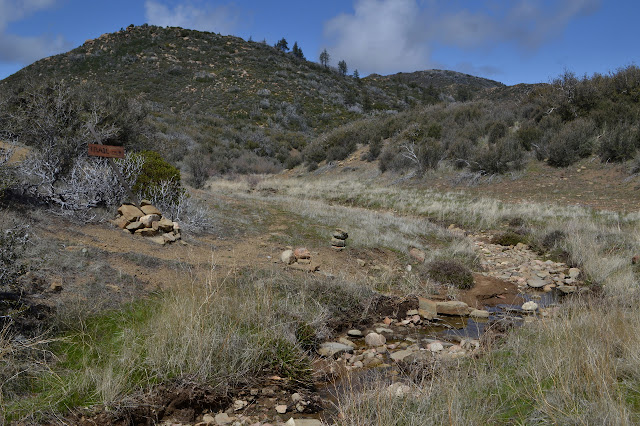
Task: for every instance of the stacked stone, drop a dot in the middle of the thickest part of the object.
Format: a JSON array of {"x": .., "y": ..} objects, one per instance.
[
  {"x": 147, "y": 221},
  {"x": 339, "y": 239}
]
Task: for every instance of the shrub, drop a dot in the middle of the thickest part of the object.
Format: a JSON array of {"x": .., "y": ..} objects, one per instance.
[
  {"x": 619, "y": 144},
  {"x": 501, "y": 157},
  {"x": 508, "y": 238},
  {"x": 529, "y": 136},
  {"x": 154, "y": 171},
  {"x": 574, "y": 141},
  {"x": 450, "y": 272},
  {"x": 12, "y": 242}
]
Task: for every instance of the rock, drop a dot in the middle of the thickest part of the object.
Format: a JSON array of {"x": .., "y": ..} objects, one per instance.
[
  {"x": 530, "y": 306},
  {"x": 426, "y": 315},
  {"x": 536, "y": 282},
  {"x": 145, "y": 203},
  {"x": 398, "y": 389},
  {"x": 222, "y": 419},
  {"x": 453, "y": 307},
  {"x": 435, "y": 347},
  {"x": 332, "y": 349},
  {"x": 312, "y": 267},
  {"x": 372, "y": 362},
  {"x": 56, "y": 286},
  {"x": 281, "y": 409},
  {"x": 340, "y": 234},
  {"x": 567, "y": 289},
  {"x": 287, "y": 257},
  {"x": 375, "y": 339},
  {"x": 387, "y": 321},
  {"x": 361, "y": 262},
  {"x": 429, "y": 306},
  {"x": 121, "y": 222},
  {"x": 134, "y": 226},
  {"x": 302, "y": 253},
  {"x": 574, "y": 272},
  {"x": 381, "y": 330},
  {"x": 303, "y": 422},
  {"x": 419, "y": 356},
  {"x": 479, "y": 313},
  {"x": 165, "y": 225},
  {"x": 346, "y": 341},
  {"x": 417, "y": 254},
  {"x": 147, "y": 220},
  {"x": 130, "y": 212},
  {"x": 176, "y": 227},
  {"x": 169, "y": 238},
  {"x": 149, "y": 209},
  {"x": 146, "y": 232},
  {"x": 354, "y": 333},
  {"x": 159, "y": 239},
  {"x": 304, "y": 261},
  {"x": 296, "y": 397},
  {"x": 208, "y": 419},
  {"x": 401, "y": 355},
  {"x": 239, "y": 404},
  {"x": 412, "y": 312},
  {"x": 338, "y": 243}
]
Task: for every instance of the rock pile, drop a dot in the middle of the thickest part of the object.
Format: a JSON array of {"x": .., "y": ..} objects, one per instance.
[
  {"x": 299, "y": 259},
  {"x": 147, "y": 221},
  {"x": 339, "y": 239}
]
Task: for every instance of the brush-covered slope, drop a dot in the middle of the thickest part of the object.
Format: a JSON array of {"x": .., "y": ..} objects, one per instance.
[{"x": 245, "y": 105}]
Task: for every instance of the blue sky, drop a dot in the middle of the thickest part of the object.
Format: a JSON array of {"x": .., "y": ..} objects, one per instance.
[{"x": 515, "y": 41}]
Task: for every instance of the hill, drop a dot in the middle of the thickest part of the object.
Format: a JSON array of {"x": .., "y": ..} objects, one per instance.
[{"x": 247, "y": 106}]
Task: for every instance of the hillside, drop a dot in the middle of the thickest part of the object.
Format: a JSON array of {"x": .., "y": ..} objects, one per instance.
[{"x": 246, "y": 105}]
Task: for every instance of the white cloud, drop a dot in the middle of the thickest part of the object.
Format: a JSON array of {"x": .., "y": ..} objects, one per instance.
[
  {"x": 388, "y": 35},
  {"x": 26, "y": 49},
  {"x": 192, "y": 15}
]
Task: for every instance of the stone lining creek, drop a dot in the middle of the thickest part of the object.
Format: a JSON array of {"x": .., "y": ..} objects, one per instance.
[{"x": 514, "y": 287}]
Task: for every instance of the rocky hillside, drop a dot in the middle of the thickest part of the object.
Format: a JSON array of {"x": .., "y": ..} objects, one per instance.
[{"x": 247, "y": 105}]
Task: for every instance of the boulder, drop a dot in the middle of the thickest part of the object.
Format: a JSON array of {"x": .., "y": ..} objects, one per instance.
[
  {"x": 176, "y": 227},
  {"x": 158, "y": 239},
  {"x": 130, "y": 212},
  {"x": 401, "y": 355},
  {"x": 302, "y": 253},
  {"x": 479, "y": 313},
  {"x": 287, "y": 257},
  {"x": 417, "y": 254},
  {"x": 223, "y": 419},
  {"x": 149, "y": 209},
  {"x": 340, "y": 234},
  {"x": 530, "y": 306},
  {"x": 375, "y": 339},
  {"x": 165, "y": 225},
  {"x": 567, "y": 289},
  {"x": 121, "y": 222},
  {"x": 146, "y": 232},
  {"x": 134, "y": 226},
  {"x": 435, "y": 347},
  {"x": 147, "y": 220},
  {"x": 333, "y": 349},
  {"x": 303, "y": 422},
  {"x": 338, "y": 243},
  {"x": 145, "y": 203},
  {"x": 427, "y": 308},
  {"x": 574, "y": 272},
  {"x": 354, "y": 333},
  {"x": 453, "y": 307},
  {"x": 169, "y": 238},
  {"x": 536, "y": 282}
]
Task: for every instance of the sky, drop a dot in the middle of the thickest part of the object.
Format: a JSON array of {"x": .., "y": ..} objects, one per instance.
[{"x": 512, "y": 41}]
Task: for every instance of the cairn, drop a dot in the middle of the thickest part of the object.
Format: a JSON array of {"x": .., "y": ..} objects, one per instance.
[
  {"x": 147, "y": 221},
  {"x": 339, "y": 239}
]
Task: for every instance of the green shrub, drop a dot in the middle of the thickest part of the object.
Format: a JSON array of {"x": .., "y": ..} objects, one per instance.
[
  {"x": 501, "y": 157},
  {"x": 573, "y": 142},
  {"x": 619, "y": 144},
  {"x": 450, "y": 272},
  {"x": 154, "y": 171},
  {"x": 508, "y": 238},
  {"x": 528, "y": 136}
]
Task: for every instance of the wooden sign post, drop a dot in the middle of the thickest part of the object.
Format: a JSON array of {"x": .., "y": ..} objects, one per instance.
[{"x": 111, "y": 152}]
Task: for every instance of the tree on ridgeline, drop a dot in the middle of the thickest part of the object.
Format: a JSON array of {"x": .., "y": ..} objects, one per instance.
[{"x": 324, "y": 58}]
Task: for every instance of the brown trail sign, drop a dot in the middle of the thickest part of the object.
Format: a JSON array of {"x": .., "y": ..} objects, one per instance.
[
  {"x": 111, "y": 152},
  {"x": 108, "y": 151}
]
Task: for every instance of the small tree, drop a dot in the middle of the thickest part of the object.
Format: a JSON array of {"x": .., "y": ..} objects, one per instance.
[
  {"x": 356, "y": 74},
  {"x": 324, "y": 58},
  {"x": 342, "y": 67},
  {"x": 282, "y": 45},
  {"x": 297, "y": 52}
]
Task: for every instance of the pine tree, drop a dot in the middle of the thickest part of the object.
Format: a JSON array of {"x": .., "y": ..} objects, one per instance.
[
  {"x": 297, "y": 52},
  {"x": 282, "y": 45},
  {"x": 356, "y": 74},
  {"x": 342, "y": 67},
  {"x": 324, "y": 58}
]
